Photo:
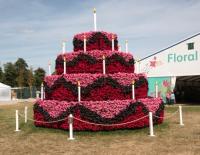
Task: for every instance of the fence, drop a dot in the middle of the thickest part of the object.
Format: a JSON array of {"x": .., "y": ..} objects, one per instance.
[
  {"x": 71, "y": 117},
  {"x": 23, "y": 92}
]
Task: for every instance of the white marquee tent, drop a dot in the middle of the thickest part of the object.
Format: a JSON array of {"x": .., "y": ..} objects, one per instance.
[{"x": 5, "y": 92}]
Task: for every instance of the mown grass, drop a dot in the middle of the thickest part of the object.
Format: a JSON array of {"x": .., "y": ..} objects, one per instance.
[{"x": 170, "y": 137}]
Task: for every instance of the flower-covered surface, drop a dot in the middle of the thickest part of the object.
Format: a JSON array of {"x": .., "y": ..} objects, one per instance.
[
  {"x": 92, "y": 62},
  {"x": 106, "y": 100},
  {"x": 99, "y": 40},
  {"x": 95, "y": 87},
  {"x": 100, "y": 112}
]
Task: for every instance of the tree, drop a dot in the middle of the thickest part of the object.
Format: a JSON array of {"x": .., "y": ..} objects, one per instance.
[
  {"x": 1, "y": 75},
  {"x": 10, "y": 74},
  {"x": 30, "y": 80},
  {"x": 20, "y": 80},
  {"x": 39, "y": 75},
  {"x": 22, "y": 72}
]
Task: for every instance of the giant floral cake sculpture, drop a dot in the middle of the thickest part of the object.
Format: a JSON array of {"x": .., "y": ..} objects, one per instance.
[{"x": 106, "y": 99}]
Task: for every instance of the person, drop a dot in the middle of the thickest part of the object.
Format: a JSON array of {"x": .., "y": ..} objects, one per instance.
[
  {"x": 168, "y": 97},
  {"x": 172, "y": 100}
]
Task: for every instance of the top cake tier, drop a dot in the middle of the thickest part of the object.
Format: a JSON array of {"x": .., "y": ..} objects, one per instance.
[{"x": 95, "y": 40}]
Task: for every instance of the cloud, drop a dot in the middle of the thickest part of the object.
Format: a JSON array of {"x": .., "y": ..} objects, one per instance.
[{"x": 34, "y": 29}]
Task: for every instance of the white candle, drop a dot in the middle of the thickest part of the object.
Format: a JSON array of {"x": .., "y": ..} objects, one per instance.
[
  {"x": 126, "y": 46},
  {"x": 113, "y": 45},
  {"x": 104, "y": 65},
  {"x": 133, "y": 89},
  {"x": 63, "y": 47},
  {"x": 49, "y": 68},
  {"x": 42, "y": 91},
  {"x": 64, "y": 65},
  {"x": 95, "y": 20},
  {"x": 84, "y": 41},
  {"x": 79, "y": 91},
  {"x": 156, "y": 90}
]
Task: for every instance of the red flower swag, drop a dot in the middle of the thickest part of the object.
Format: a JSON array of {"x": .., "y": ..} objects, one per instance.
[
  {"x": 105, "y": 92},
  {"x": 78, "y": 125}
]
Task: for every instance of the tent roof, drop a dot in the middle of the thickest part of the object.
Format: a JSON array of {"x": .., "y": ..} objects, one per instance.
[{"x": 4, "y": 86}]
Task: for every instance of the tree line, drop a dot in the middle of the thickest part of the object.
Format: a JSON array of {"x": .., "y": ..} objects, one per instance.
[{"x": 19, "y": 74}]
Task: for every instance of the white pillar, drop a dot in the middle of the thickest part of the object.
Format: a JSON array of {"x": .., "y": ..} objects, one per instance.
[
  {"x": 64, "y": 64},
  {"x": 151, "y": 124},
  {"x": 63, "y": 47},
  {"x": 84, "y": 44},
  {"x": 156, "y": 89},
  {"x": 126, "y": 46},
  {"x": 25, "y": 114},
  {"x": 95, "y": 20},
  {"x": 104, "y": 65},
  {"x": 17, "y": 121},
  {"x": 79, "y": 91},
  {"x": 70, "y": 119},
  {"x": 42, "y": 91},
  {"x": 113, "y": 43},
  {"x": 181, "y": 116},
  {"x": 133, "y": 89},
  {"x": 49, "y": 68}
]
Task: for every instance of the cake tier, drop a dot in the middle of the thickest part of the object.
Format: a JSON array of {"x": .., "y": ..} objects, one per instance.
[
  {"x": 92, "y": 62},
  {"x": 95, "y": 87},
  {"x": 95, "y": 40},
  {"x": 109, "y": 113}
]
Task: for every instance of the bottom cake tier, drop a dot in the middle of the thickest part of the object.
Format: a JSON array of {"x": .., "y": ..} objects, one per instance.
[{"x": 98, "y": 115}]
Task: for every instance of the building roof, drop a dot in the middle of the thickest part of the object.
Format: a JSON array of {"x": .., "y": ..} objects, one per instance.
[
  {"x": 170, "y": 46},
  {"x": 4, "y": 86}
]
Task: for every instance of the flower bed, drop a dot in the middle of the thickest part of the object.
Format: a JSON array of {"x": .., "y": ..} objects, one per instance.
[
  {"x": 99, "y": 112},
  {"x": 95, "y": 40},
  {"x": 95, "y": 86},
  {"x": 91, "y": 62}
]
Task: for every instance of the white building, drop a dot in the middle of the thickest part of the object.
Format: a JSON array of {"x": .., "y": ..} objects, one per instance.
[
  {"x": 5, "y": 92},
  {"x": 175, "y": 68}
]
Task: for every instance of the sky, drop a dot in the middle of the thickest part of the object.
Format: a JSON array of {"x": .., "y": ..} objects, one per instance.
[{"x": 34, "y": 29}]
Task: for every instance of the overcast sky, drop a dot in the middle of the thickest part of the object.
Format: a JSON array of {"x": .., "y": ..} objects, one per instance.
[{"x": 34, "y": 29}]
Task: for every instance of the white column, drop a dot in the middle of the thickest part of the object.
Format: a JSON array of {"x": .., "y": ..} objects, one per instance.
[
  {"x": 95, "y": 20},
  {"x": 42, "y": 91},
  {"x": 17, "y": 121},
  {"x": 151, "y": 124},
  {"x": 49, "y": 68},
  {"x": 79, "y": 91},
  {"x": 25, "y": 114},
  {"x": 64, "y": 66},
  {"x": 156, "y": 89},
  {"x": 104, "y": 65},
  {"x": 70, "y": 119},
  {"x": 133, "y": 90},
  {"x": 181, "y": 115},
  {"x": 113, "y": 43},
  {"x": 126, "y": 46},
  {"x": 63, "y": 47},
  {"x": 84, "y": 43}
]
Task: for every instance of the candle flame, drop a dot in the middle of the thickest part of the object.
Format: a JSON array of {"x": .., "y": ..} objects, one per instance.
[
  {"x": 78, "y": 82},
  {"x": 94, "y": 10},
  {"x": 133, "y": 82},
  {"x": 113, "y": 36},
  {"x": 103, "y": 57}
]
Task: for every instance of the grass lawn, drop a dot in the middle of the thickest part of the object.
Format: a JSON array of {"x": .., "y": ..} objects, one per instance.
[{"x": 170, "y": 137}]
